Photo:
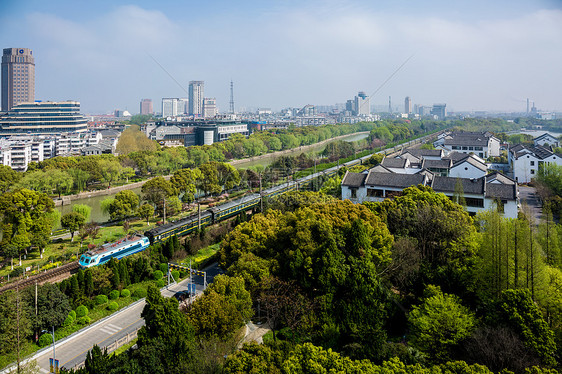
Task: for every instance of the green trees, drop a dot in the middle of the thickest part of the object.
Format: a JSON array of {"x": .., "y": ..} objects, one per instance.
[
  {"x": 15, "y": 323},
  {"x": 156, "y": 190},
  {"x": 52, "y": 306},
  {"x": 146, "y": 211},
  {"x": 25, "y": 219},
  {"x": 439, "y": 324},
  {"x": 185, "y": 181},
  {"x": 124, "y": 205},
  {"x": 72, "y": 221},
  {"x": 333, "y": 251},
  {"x": 517, "y": 310}
]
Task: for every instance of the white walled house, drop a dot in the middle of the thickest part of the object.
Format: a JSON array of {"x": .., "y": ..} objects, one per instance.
[
  {"x": 469, "y": 167},
  {"x": 525, "y": 161},
  {"x": 482, "y": 144},
  {"x": 480, "y": 194},
  {"x": 546, "y": 140}
]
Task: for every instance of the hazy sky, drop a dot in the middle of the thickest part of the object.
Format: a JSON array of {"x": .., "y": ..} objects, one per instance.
[{"x": 473, "y": 55}]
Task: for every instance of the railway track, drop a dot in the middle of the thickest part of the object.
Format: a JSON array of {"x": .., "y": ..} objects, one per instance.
[{"x": 56, "y": 273}]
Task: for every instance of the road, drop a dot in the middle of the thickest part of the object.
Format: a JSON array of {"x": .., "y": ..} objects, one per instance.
[
  {"x": 72, "y": 351},
  {"x": 529, "y": 200}
]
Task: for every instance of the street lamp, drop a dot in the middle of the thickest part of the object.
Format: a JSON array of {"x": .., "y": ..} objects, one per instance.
[{"x": 54, "y": 356}]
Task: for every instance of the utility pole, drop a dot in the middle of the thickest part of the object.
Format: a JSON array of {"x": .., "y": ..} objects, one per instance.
[
  {"x": 261, "y": 197},
  {"x": 164, "y": 210},
  {"x": 198, "y": 215},
  {"x": 18, "y": 326}
]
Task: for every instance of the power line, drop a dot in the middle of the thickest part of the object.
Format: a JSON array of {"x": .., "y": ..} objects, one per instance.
[
  {"x": 166, "y": 71},
  {"x": 390, "y": 77}
]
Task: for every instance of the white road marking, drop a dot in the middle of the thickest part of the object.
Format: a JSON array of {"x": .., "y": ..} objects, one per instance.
[
  {"x": 115, "y": 327},
  {"x": 44, "y": 370}
]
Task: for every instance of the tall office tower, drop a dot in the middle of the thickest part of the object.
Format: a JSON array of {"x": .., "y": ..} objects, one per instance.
[
  {"x": 182, "y": 106},
  {"x": 407, "y": 105},
  {"x": 196, "y": 98},
  {"x": 169, "y": 107},
  {"x": 362, "y": 104},
  {"x": 18, "y": 77},
  {"x": 146, "y": 106}
]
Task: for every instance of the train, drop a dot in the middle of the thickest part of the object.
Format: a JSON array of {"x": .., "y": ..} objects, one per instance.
[{"x": 187, "y": 225}]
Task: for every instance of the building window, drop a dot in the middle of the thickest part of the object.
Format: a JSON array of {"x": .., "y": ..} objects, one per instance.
[
  {"x": 532, "y": 171},
  {"x": 532, "y": 163},
  {"x": 374, "y": 192},
  {"x": 353, "y": 193},
  {"x": 473, "y": 202}
]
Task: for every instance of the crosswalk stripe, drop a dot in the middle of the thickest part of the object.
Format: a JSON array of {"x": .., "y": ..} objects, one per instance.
[
  {"x": 44, "y": 370},
  {"x": 115, "y": 327},
  {"x": 107, "y": 331}
]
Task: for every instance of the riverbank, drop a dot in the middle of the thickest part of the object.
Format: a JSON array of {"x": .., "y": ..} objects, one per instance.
[{"x": 67, "y": 200}]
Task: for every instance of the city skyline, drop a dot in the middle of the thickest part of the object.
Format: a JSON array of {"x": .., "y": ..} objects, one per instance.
[{"x": 475, "y": 56}]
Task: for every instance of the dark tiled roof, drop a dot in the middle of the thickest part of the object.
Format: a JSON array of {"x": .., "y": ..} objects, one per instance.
[
  {"x": 394, "y": 180},
  {"x": 447, "y": 184},
  {"x": 545, "y": 135},
  {"x": 501, "y": 191},
  {"x": 424, "y": 152},
  {"x": 399, "y": 163},
  {"x": 538, "y": 151},
  {"x": 456, "y": 156},
  {"x": 437, "y": 164},
  {"x": 478, "y": 141},
  {"x": 353, "y": 179},
  {"x": 381, "y": 169},
  {"x": 497, "y": 176}
]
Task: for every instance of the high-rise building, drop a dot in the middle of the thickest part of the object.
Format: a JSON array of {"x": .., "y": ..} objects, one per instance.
[
  {"x": 362, "y": 104},
  {"x": 146, "y": 106},
  {"x": 196, "y": 98},
  {"x": 18, "y": 77},
  {"x": 210, "y": 107},
  {"x": 169, "y": 107},
  {"x": 407, "y": 105}
]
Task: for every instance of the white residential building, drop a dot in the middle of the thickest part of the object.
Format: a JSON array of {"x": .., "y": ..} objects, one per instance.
[
  {"x": 525, "y": 161},
  {"x": 547, "y": 140},
  {"x": 480, "y": 194},
  {"x": 481, "y": 144}
]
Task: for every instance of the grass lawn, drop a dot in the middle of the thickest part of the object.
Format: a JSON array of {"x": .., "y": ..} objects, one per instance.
[{"x": 201, "y": 256}]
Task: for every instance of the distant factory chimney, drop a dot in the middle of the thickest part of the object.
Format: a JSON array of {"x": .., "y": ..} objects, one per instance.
[
  {"x": 389, "y": 105},
  {"x": 527, "y": 105}
]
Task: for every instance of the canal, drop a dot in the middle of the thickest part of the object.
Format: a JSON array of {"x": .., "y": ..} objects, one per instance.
[{"x": 95, "y": 201}]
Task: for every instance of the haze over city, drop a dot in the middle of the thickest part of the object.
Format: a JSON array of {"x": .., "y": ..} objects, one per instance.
[{"x": 476, "y": 56}]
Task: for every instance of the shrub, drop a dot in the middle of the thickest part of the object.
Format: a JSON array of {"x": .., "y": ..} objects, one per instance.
[
  {"x": 163, "y": 267},
  {"x": 125, "y": 292},
  {"x": 161, "y": 283},
  {"x": 158, "y": 274},
  {"x": 139, "y": 293},
  {"x": 114, "y": 295},
  {"x": 16, "y": 272},
  {"x": 101, "y": 299},
  {"x": 68, "y": 321},
  {"x": 73, "y": 314},
  {"x": 113, "y": 306},
  {"x": 45, "y": 340},
  {"x": 84, "y": 320},
  {"x": 176, "y": 275},
  {"x": 81, "y": 311}
]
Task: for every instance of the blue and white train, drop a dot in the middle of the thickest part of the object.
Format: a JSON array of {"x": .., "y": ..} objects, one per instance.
[{"x": 122, "y": 248}]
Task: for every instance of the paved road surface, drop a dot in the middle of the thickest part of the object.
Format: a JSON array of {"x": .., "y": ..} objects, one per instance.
[
  {"x": 529, "y": 200},
  {"x": 72, "y": 351}
]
